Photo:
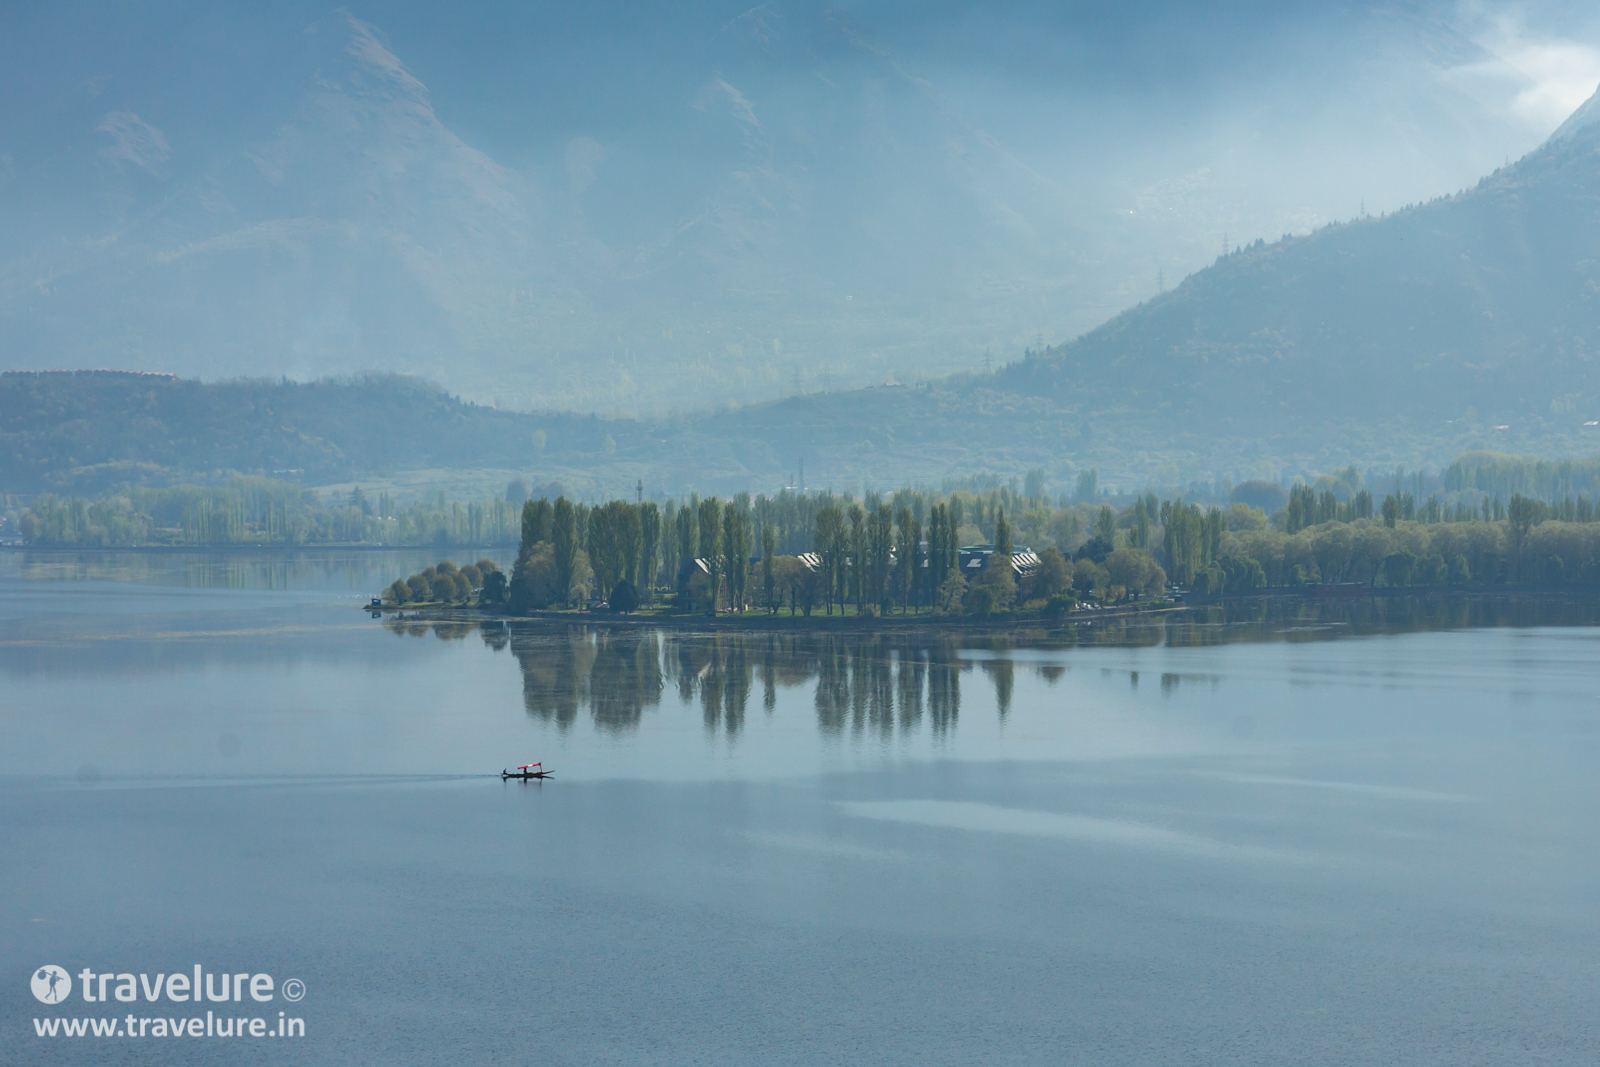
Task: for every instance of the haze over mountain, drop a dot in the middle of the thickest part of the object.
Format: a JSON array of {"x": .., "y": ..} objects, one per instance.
[
  {"x": 616, "y": 208},
  {"x": 1470, "y": 322}
]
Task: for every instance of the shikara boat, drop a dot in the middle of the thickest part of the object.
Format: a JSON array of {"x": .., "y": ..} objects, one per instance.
[{"x": 526, "y": 771}]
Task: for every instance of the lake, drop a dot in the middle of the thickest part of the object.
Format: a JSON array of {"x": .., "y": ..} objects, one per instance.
[{"x": 1285, "y": 832}]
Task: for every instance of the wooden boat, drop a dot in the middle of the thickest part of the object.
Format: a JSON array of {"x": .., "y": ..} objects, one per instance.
[{"x": 526, "y": 771}]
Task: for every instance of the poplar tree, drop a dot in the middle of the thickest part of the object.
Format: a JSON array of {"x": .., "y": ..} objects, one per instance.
[
  {"x": 564, "y": 540},
  {"x": 710, "y": 528},
  {"x": 736, "y": 554},
  {"x": 879, "y": 546},
  {"x": 858, "y": 552},
  {"x": 649, "y": 552},
  {"x": 684, "y": 542},
  {"x": 614, "y": 543},
  {"x": 536, "y": 519},
  {"x": 630, "y": 542},
  {"x": 1105, "y": 525},
  {"x": 828, "y": 542},
  {"x": 769, "y": 545},
  {"x": 907, "y": 551}
]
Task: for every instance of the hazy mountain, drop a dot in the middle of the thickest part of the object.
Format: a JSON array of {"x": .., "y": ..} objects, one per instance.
[
  {"x": 1468, "y": 322},
  {"x": 1482, "y": 307},
  {"x": 682, "y": 207},
  {"x": 87, "y": 431},
  {"x": 1472, "y": 321}
]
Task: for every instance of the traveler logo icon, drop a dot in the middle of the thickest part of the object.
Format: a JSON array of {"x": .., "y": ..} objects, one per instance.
[{"x": 51, "y": 984}]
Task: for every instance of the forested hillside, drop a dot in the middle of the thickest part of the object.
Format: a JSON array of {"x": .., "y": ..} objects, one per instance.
[
  {"x": 1479, "y": 306},
  {"x": 720, "y": 201},
  {"x": 88, "y": 430},
  {"x": 1468, "y": 322},
  {"x": 1471, "y": 322}
]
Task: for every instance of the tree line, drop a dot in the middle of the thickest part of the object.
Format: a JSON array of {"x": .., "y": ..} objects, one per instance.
[
  {"x": 867, "y": 557},
  {"x": 253, "y": 510},
  {"x": 445, "y": 583},
  {"x": 901, "y": 551},
  {"x": 1523, "y": 541}
]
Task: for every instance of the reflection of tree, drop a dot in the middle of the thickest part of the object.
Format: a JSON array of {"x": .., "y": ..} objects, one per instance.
[
  {"x": 624, "y": 679},
  {"x": 556, "y": 671},
  {"x": 944, "y": 687},
  {"x": 880, "y": 689},
  {"x": 720, "y": 671},
  {"x": 890, "y": 682},
  {"x": 769, "y": 675},
  {"x": 833, "y": 685},
  {"x": 858, "y": 688},
  {"x": 911, "y": 675},
  {"x": 880, "y": 681},
  {"x": 687, "y": 659},
  {"x": 710, "y": 679},
  {"x": 737, "y": 670},
  {"x": 877, "y": 684},
  {"x": 494, "y": 635},
  {"x": 1002, "y": 672}
]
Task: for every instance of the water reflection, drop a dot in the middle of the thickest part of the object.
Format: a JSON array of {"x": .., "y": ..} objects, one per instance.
[
  {"x": 864, "y": 684},
  {"x": 454, "y": 630},
  {"x": 884, "y": 685},
  {"x": 278, "y": 569},
  {"x": 1003, "y": 674}
]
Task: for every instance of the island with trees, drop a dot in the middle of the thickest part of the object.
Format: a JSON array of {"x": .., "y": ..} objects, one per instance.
[{"x": 998, "y": 552}]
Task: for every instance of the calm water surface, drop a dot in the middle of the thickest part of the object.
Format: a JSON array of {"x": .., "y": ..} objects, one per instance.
[{"x": 1297, "y": 834}]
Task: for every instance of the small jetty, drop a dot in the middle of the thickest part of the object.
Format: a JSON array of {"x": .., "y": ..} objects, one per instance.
[{"x": 526, "y": 771}]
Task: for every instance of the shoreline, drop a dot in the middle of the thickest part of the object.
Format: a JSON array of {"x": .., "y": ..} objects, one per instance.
[
  {"x": 760, "y": 621},
  {"x": 354, "y": 546},
  {"x": 763, "y": 621}
]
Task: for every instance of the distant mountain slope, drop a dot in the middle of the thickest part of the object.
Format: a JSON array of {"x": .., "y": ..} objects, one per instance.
[
  {"x": 91, "y": 430},
  {"x": 636, "y": 208},
  {"x": 1469, "y": 322},
  {"x": 778, "y": 225},
  {"x": 1483, "y": 305}
]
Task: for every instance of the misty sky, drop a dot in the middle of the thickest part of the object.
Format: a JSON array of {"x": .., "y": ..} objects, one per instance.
[{"x": 708, "y": 201}]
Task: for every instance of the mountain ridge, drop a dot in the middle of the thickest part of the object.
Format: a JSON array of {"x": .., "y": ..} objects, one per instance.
[{"x": 718, "y": 204}]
